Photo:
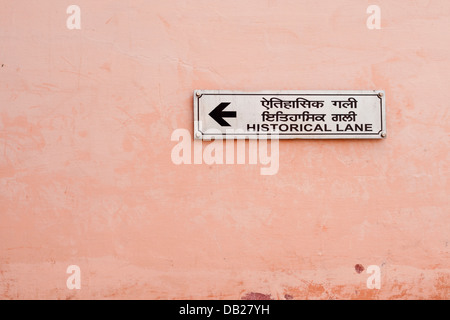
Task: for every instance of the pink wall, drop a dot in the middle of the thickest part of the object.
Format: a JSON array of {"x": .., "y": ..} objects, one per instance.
[{"x": 86, "y": 176}]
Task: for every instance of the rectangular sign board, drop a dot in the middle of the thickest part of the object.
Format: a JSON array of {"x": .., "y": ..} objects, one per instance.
[{"x": 289, "y": 114}]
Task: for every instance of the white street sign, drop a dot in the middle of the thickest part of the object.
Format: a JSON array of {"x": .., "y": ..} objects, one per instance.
[{"x": 289, "y": 114}]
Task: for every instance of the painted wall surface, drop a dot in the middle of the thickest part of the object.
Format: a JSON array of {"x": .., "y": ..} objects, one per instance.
[{"x": 87, "y": 176}]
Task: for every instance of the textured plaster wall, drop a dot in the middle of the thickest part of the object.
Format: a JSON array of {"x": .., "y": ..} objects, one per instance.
[{"x": 86, "y": 175}]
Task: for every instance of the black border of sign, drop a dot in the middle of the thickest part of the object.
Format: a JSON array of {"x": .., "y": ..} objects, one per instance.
[{"x": 290, "y": 94}]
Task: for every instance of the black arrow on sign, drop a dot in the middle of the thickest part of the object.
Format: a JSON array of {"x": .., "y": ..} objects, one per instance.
[{"x": 218, "y": 114}]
